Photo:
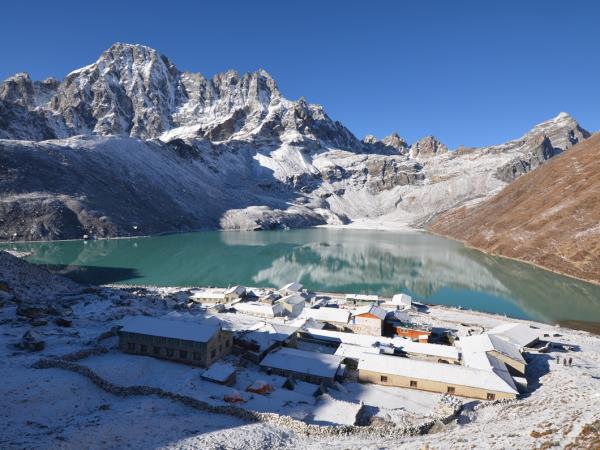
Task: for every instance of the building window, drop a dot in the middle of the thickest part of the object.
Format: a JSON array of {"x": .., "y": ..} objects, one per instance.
[
  {"x": 182, "y": 354},
  {"x": 413, "y": 383},
  {"x": 212, "y": 354},
  {"x": 451, "y": 390},
  {"x": 196, "y": 356},
  {"x": 131, "y": 347},
  {"x": 156, "y": 350},
  {"x": 220, "y": 349},
  {"x": 227, "y": 343},
  {"x": 144, "y": 348},
  {"x": 170, "y": 352},
  {"x": 384, "y": 379},
  {"x": 491, "y": 396}
]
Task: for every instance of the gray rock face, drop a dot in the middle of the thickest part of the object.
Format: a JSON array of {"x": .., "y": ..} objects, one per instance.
[
  {"x": 133, "y": 90},
  {"x": 531, "y": 160},
  {"x": 130, "y": 145}
]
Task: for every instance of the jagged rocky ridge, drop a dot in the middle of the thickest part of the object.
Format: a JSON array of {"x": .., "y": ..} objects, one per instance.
[{"x": 131, "y": 145}]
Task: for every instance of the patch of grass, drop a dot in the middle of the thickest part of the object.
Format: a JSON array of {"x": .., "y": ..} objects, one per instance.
[{"x": 538, "y": 434}]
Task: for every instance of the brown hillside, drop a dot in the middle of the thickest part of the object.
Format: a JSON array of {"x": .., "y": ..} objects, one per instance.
[{"x": 549, "y": 217}]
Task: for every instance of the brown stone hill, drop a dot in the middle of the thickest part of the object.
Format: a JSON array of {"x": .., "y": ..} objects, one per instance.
[{"x": 549, "y": 217}]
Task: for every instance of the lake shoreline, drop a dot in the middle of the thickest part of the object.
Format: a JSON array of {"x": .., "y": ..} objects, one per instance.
[
  {"x": 384, "y": 226},
  {"x": 435, "y": 270},
  {"x": 512, "y": 258}
]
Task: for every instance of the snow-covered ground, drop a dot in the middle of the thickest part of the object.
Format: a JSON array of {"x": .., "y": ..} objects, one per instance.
[{"x": 52, "y": 408}]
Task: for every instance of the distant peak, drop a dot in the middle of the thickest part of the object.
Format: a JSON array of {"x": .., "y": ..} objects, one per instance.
[
  {"x": 120, "y": 46},
  {"x": 427, "y": 146},
  {"x": 263, "y": 73},
  {"x": 394, "y": 140},
  {"x": 370, "y": 139},
  {"x": 19, "y": 76}
]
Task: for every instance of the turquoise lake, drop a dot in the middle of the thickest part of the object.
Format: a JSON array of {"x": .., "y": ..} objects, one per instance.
[{"x": 431, "y": 269}]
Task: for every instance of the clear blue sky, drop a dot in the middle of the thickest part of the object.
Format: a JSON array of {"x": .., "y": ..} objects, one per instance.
[{"x": 472, "y": 73}]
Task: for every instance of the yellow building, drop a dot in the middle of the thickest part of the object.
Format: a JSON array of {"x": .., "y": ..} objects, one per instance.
[{"x": 452, "y": 379}]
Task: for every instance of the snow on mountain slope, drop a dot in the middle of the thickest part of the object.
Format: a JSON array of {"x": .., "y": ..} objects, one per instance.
[{"x": 130, "y": 145}]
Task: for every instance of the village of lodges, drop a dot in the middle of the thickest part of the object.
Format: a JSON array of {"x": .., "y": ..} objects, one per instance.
[{"x": 330, "y": 339}]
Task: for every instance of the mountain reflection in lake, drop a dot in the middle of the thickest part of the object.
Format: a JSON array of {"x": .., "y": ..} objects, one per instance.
[{"x": 432, "y": 269}]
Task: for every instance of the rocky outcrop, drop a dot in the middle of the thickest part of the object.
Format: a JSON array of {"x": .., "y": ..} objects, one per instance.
[
  {"x": 529, "y": 161},
  {"x": 427, "y": 147},
  {"x": 395, "y": 141}
]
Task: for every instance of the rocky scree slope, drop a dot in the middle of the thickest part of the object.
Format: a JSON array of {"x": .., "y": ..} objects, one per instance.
[
  {"x": 132, "y": 145},
  {"x": 549, "y": 217}
]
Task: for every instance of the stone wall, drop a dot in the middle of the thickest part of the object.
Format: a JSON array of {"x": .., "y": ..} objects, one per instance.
[{"x": 297, "y": 426}]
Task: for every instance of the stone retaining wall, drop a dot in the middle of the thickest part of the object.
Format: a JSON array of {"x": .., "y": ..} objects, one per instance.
[{"x": 298, "y": 426}]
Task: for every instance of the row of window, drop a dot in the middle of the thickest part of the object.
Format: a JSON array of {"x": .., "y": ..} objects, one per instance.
[
  {"x": 449, "y": 389},
  {"x": 164, "y": 351},
  {"x": 162, "y": 340},
  {"x": 170, "y": 352}
]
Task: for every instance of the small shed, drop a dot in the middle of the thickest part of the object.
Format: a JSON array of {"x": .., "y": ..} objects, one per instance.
[
  {"x": 403, "y": 301},
  {"x": 220, "y": 372}
]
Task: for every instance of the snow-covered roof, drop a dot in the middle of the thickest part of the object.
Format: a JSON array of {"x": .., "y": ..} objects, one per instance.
[
  {"x": 437, "y": 350},
  {"x": 376, "y": 311},
  {"x": 518, "y": 334},
  {"x": 486, "y": 343},
  {"x": 292, "y": 287},
  {"x": 401, "y": 316},
  {"x": 209, "y": 294},
  {"x": 451, "y": 374},
  {"x": 402, "y": 299},
  {"x": 262, "y": 309},
  {"x": 485, "y": 361},
  {"x": 355, "y": 351},
  {"x": 239, "y": 290},
  {"x": 362, "y": 297},
  {"x": 174, "y": 329},
  {"x": 300, "y": 361},
  {"x": 219, "y": 371},
  {"x": 326, "y": 314},
  {"x": 267, "y": 335},
  {"x": 292, "y": 299}
]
